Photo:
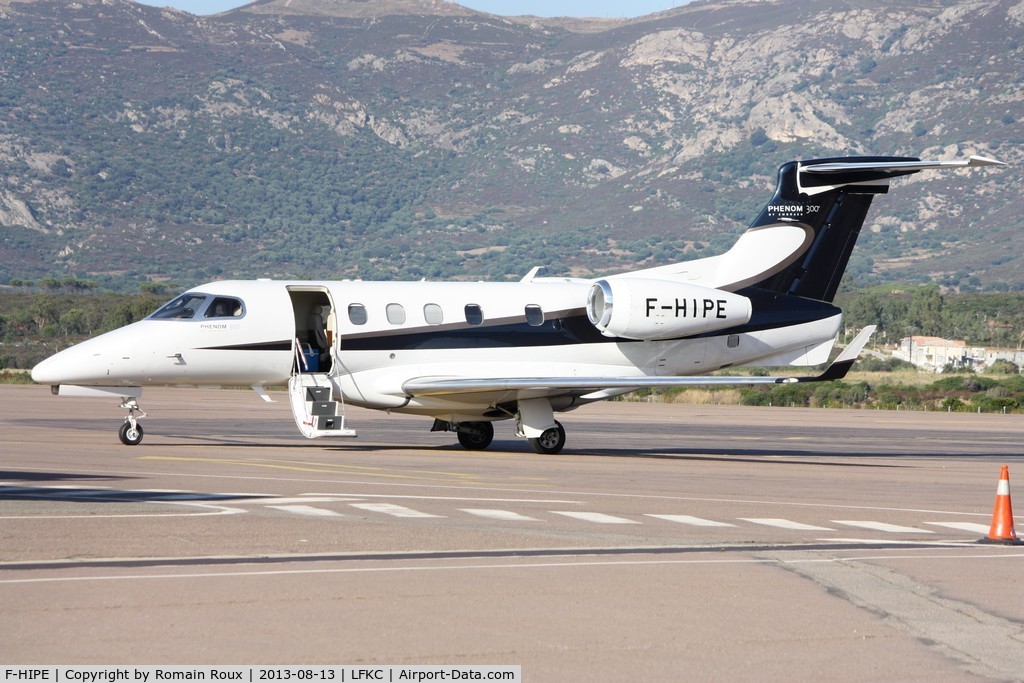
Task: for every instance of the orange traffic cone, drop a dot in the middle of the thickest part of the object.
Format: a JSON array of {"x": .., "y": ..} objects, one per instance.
[{"x": 1002, "y": 516}]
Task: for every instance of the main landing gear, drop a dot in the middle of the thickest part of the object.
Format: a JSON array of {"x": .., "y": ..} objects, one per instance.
[
  {"x": 131, "y": 432},
  {"x": 534, "y": 420},
  {"x": 550, "y": 441},
  {"x": 474, "y": 436}
]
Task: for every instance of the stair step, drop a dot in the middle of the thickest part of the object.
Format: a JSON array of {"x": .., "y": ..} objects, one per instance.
[
  {"x": 318, "y": 394},
  {"x": 333, "y": 424},
  {"x": 324, "y": 408}
]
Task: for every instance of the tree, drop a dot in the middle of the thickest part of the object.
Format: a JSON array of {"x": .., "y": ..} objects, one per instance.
[{"x": 925, "y": 312}]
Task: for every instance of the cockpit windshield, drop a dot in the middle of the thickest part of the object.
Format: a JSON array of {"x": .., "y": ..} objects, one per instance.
[
  {"x": 193, "y": 306},
  {"x": 184, "y": 307}
]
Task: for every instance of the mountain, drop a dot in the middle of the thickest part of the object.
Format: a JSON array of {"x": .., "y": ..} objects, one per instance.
[{"x": 419, "y": 138}]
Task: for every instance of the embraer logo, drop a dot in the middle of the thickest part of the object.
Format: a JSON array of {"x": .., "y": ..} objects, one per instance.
[
  {"x": 785, "y": 210},
  {"x": 682, "y": 308},
  {"x": 792, "y": 210}
]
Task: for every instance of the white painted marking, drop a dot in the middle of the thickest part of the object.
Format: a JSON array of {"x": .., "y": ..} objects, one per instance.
[
  {"x": 90, "y": 493},
  {"x": 390, "y": 509},
  {"x": 72, "y": 486},
  {"x": 308, "y": 510},
  {"x": 964, "y": 526},
  {"x": 882, "y": 526},
  {"x": 692, "y": 521},
  {"x": 217, "y": 510},
  {"x": 889, "y": 542},
  {"x": 596, "y": 517},
  {"x": 357, "y": 496},
  {"x": 288, "y": 501},
  {"x": 785, "y": 524},
  {"x": 504, "y": 515},
  {"x": 503, "y": 566},
  {"x": 183, "y": 496}
]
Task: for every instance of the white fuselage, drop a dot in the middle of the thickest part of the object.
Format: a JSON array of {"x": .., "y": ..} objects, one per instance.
[{"x": 383, "y": 334}]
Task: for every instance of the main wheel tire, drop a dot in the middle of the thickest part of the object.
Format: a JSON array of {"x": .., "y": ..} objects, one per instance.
[
  {"x": 475, "y": 436},
  {"x": 130, "y": 436},
  {"x": 550, "y": 441}
]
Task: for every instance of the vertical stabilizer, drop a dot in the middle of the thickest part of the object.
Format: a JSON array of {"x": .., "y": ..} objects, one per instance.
[
  {"x": 834, "y": 207},
  {"x": 832, "y": 198}
]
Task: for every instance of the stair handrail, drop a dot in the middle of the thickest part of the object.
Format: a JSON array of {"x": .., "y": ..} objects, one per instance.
[{"x": 300, "y": 358}]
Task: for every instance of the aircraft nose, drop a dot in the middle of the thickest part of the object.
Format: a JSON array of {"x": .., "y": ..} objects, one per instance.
[
  {"x": 96, "y": 361},
  {"x": 47, "y": 371},
  {"x": 70, "y": 366}
]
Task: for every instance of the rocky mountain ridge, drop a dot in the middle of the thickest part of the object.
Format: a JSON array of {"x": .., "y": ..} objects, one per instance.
[{"x": 419, "y": 138}]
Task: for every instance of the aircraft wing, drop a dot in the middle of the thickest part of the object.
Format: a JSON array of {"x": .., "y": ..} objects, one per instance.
[{"x": 441, "y": 386}]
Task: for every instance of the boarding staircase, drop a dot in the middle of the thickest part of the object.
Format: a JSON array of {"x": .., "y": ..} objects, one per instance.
[{"x": 316, "y": 410}]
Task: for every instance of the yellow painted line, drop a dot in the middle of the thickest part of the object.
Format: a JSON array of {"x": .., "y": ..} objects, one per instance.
[{"x": 364, "y": 470}]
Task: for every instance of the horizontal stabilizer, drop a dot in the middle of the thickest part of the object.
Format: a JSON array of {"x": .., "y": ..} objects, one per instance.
[
  {"x": 899, "y": 166},
  {"x": 830, "y": 198},
  {"x": 554, "y": 386}
]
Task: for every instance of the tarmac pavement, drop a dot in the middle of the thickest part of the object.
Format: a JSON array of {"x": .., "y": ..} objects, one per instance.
[{"x": 666, "y": 542}]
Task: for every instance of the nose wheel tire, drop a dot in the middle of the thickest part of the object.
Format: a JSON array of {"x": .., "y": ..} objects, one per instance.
[
  {"x": 476, "y": 436},
  {"x": 130, "y": 434},
  {"x": 550, "y": 441}
]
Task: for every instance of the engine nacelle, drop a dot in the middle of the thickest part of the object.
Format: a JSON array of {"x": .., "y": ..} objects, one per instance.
[{"x": 637, "y": 308}]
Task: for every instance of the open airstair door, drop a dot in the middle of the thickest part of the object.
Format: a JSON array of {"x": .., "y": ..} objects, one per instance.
[{"x": 317, "y": 405}]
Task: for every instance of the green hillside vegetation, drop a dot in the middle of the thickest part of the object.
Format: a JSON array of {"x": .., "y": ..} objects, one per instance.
[{"x": 992, "y": 319}]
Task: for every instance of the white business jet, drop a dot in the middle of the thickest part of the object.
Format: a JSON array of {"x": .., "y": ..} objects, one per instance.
[{"x": 471, "y": 353}]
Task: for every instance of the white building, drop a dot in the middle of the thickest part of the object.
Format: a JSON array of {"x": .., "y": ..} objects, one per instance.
[{"x": 935, "y": 353}]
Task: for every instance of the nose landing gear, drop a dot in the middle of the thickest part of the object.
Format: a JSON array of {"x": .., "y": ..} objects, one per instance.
[{"x": 130, "y": 433}]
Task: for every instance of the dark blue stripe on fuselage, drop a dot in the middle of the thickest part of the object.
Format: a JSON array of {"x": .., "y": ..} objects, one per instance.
[
  {"x": 559, "y": 332},
  {"x": 770, "y": 310},
  {"x": 774, "y": 309},
  {"x": 284, "y": 345}
]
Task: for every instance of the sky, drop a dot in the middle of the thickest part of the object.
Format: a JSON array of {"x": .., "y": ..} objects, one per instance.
[{"x": 540, "y": 8}]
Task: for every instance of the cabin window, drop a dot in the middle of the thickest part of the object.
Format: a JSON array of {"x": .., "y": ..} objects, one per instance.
[
  {"x": 534, "y": 315},
  {"x": 433, "y": 314},
  {"x": 357, "y": 314},
  {"x": 474, "y": 314},
  {"x": 182, "y": 308},
  {"x": 396, "y": 314},
  {"x": 224, "y": 307}
]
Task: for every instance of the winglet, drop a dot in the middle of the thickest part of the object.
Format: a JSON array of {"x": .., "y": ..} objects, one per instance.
[{"x": 844, "y": 361}]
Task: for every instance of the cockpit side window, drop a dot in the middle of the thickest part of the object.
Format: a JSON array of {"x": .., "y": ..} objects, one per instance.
[
  {"x": 224, "y": 307},
  {"x": 184, "y": 307}
]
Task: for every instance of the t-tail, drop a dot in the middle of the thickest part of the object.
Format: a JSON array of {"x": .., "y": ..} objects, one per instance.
[{"x": 831, "y": 197}]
